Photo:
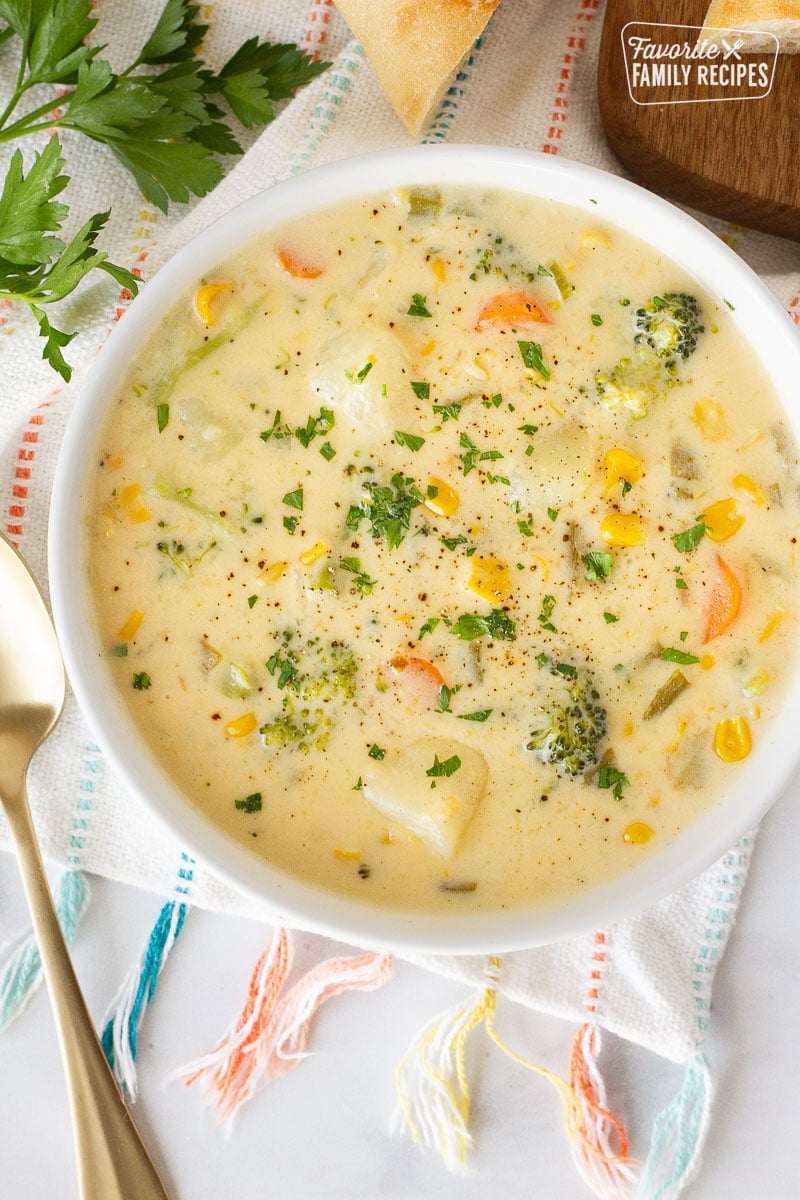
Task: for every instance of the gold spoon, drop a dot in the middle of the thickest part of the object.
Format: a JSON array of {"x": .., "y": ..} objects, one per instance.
[{"x": 113, "y": 1163}]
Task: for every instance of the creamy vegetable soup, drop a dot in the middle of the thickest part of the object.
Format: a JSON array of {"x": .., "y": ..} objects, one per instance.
[{"x": 443, "y": 549}]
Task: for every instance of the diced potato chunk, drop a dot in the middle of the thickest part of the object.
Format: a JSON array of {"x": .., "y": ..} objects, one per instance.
[{"x": 401, "y": 788}]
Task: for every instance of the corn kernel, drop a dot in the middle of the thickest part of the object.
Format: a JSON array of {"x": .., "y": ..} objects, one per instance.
[
  {"x": 707, "y": 662},
  {"x": 722, "y": 520},
  {"x": 204, "y": 300},
  {"x": 490, "y": 579},
  {"x": 446, "y": 500},
  {"x": 745, "y": 484},
  {"x": 594, "y": 238},
  {"x": 130, "y": 498},
  {"x": 128, "y": 630},
  {"x": 241, "y": 726},
  {"x": 273, "y": 573},
  {"x": 638, "y": 833},
  {"x": 439, "y": 268},
  {"x": 623, "y": 529},
  {"x": 114, "y": 461},
  {"x": 428, "y": 348},
  {"x": 772, "y": 624},
  {"x": 709, "y": 417},
  {"x": 621, "y": 464},
  {"x": 317, "y": 551},
  {"x": 346, "y": 855},
  {"x": 732, "y": 739}
]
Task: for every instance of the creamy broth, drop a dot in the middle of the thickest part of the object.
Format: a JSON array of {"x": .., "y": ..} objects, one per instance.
[{"x": 403, "y": 490}]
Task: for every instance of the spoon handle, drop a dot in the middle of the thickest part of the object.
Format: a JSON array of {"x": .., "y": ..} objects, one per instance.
[{"x": 113, "y": 1163}]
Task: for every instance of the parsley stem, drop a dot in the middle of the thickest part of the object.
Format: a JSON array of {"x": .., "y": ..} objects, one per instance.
[{"x": 23, "y": 125}]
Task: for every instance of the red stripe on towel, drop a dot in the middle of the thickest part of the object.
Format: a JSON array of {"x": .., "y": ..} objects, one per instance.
[
  {"x": 576, "y": 44},
  {"x": 15, "y": 522}
]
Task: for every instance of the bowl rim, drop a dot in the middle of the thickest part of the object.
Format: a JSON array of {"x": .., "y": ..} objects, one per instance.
[{"x": 617, "y": 202}]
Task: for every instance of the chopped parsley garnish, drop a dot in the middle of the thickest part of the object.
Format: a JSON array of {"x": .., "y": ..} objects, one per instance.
[
  {"x": 418, "y": 307},
  {"x": 689, "y": 539},
  {"x": 444, "y": 696},
  {"x": 610, "y": 618},
  {"x": 315, "y": 426},
  {"x": 251, "y": 600},
  {"x": 361, "y": 580},
  {"x": 552, "y": 514},
  {"x": 427, "y": 627},
  {"x": 679, "y": 656},
  {"x": 730, "y": 306},
  {"x": 451, "y": 543},
  {"x": 250, "y": 804},
  {"x": 493, "y": 401},
  {"x": 120, "y": 650},
  {"x": 481, "y": 714},
  {"x": 473, "y": 455},
  {"x": 597, "y": 319},
  {"x": 376, "y": 752},
  {"x": 142, "y": 681},
  {"x": 286, "y": 669},
  {"x": 548, "y": 604},
  {"x": 410, "y": 440},
  {"x": 610, "y": 777},
  {"x": 529, "y": 429},
  {"x": 682, "y": 584},
  {"x": 364, "y": 372},
  {"x": 327, "y": 451},
  {"x": 532, "y": 357},
  {"x": 526, "y": 527},
  {"x": 422, "y": 389},
  {"x": 448, "y": 412},
  {"x": 444, "y": 769},
  {"x": 626, "y": 486},
  {"x": 277, "y": 430},
  {"x": 294, "y": 499},
  {"x": 565, "y": 670},
  {"x": 162, "y": 416},
  {"x": 290, "y": 523},
  {"x": 358, "y": 786},
  {"x": 598, "y": 564},
  {"x": 364, "y": 871},
  {"x": 498, "y": 624},
  {"x": 387, "y": 508}
]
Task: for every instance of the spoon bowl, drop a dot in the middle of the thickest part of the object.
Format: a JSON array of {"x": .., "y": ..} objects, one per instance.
[{"x": 113, "y": 1163}]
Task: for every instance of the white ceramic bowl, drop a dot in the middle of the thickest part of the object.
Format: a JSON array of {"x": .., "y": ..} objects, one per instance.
[{"x": 763, "y": 324}]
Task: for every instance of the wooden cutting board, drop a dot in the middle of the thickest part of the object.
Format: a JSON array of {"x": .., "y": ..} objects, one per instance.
[{"x": 738, "y": 159}]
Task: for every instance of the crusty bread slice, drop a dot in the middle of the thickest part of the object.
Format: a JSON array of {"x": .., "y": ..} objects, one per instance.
[
  {"x": 756, "y": 18},
  {"x": 416, "y": 46}
]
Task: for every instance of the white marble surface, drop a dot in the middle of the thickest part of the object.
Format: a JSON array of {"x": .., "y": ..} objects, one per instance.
[{"x": 323, "y": 1130}]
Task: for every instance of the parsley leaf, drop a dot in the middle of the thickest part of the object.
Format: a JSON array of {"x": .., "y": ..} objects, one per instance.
[
  {"x": 532, "y": 357},
  {"x": 481, "y": 714},
  {"x": 598, "y": 564},
  {"x": 689, "y": 539},
  {"x": 610, "y": 777},
  {"x": 142, "y": 681},
  {"x": 410, "y": 440},
  {"x": 444, "y": 769},
  {"x": 362, "y": 581},
  {"x": 387, "y": 508},
  {"x": 422, "y": 390},
  {"x": 250, "y": 804},
  {"x": 498, "y": 624},
  {"x": 679, "y": 656},
  {"x": 418, "y": 306},
  {"x": 294, "y": 499},
  {"x": 376, "y": 752}
]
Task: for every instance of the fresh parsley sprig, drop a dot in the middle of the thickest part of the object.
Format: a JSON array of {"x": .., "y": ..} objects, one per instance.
[{"x": 160, "y": 117}]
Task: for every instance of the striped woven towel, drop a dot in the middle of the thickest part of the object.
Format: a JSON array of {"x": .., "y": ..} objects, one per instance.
[{"x": 530, "y": 82}]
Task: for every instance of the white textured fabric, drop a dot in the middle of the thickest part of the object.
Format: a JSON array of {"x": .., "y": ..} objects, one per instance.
[{"x": 530, "y": 83}]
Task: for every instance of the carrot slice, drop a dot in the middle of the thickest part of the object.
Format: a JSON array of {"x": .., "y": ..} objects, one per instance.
[
  {"x": 296, "y": 266},
  {"x": 724, "y": 602},
  {"x": 420, "y": 675},
  {"x": 517, "y": 309}
]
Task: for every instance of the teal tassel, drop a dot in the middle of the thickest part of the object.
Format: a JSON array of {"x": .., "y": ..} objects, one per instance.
[
  {"x": 679, "y": 1131},
  {"x": 22, "y": 973},
  {"x": 127, "y": 1011}
]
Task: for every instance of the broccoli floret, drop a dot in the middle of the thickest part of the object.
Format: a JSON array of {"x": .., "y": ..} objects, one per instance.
[
  {"x": 310, "y": 673},
  {"x": 573, "y": 724},
  {"x": 670, "y": 326},
  {"x": 633, "y": 383}
]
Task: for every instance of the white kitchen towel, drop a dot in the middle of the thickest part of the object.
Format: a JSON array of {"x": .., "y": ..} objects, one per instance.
[{"x": 530, "y": 82}]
